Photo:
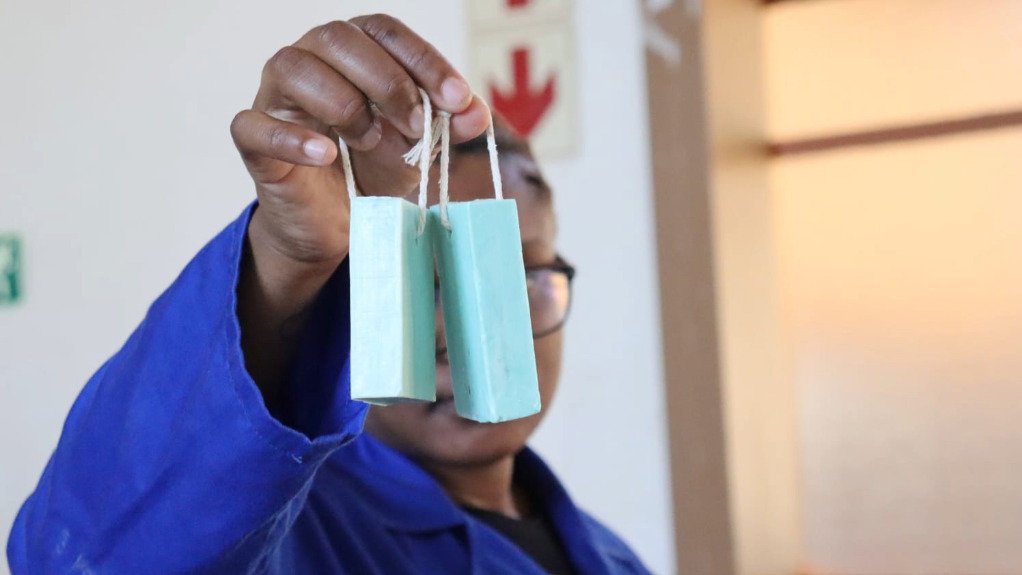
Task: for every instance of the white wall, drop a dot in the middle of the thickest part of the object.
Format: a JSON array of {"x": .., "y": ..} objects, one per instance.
[{"x": 117, "y": 166}]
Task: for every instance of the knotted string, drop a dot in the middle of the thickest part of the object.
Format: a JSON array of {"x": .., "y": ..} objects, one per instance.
[
  {"x": 349, "y": 176},
  {"x": 491, "y": 147},
  {"x": 445, "y": 160},
  {"x": 445, "y": 164},
  {"x": 434, "y": 130},
  {"x": 422, "y": 154},
  {"x": 438, "y": 130}
]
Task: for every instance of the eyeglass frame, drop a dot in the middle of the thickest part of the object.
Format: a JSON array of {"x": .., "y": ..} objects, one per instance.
[{"x": 558, "y": 265}]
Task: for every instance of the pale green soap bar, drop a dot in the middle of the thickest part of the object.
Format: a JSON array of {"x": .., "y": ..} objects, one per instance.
[
  {"x": 393, "y": 313},
  {"x": 486, "y": 311}
]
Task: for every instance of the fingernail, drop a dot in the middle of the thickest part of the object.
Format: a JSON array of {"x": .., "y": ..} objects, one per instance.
[
  {"x": 316, "y": 149},
  {"x": 416, "y": 119},
  {"x": 455, "y": 91}
]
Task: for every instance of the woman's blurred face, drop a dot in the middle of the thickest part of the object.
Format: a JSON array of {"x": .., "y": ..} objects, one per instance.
[{"x": 433, "y": 432}]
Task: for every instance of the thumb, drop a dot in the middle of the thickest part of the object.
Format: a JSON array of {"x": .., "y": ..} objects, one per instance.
[{"x": 272, "y": 148}]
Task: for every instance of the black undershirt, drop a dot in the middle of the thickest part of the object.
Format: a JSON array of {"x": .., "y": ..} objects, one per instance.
[{"x": 533, "y": 535}]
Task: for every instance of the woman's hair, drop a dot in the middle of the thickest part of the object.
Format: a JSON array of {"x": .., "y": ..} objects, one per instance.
[{"x": 507, "y": 140}]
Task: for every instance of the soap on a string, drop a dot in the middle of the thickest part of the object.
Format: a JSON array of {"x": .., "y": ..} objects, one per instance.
[
  {"x": 486, "y": 310},
  {"x": 393, "y": 313}
]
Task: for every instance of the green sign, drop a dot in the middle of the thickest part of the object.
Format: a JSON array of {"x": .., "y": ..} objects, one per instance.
[{"x": 10, "y": 268}]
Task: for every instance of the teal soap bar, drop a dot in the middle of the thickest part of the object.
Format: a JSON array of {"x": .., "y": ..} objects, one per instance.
[
  {"x": 486, "y": 311},
  {"x": 393, "y": 309}
]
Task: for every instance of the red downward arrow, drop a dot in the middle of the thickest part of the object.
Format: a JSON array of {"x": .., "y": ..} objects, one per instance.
[{"x": 522, "y": 107}]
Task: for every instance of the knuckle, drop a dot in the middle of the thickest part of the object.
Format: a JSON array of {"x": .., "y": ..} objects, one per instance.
[
  {"x": 286, "y": 61},
  {"x": 237, "y": 124},
  {"x": 333, "y": 33},
  {"x": 380, "y": 27},
  {"x": 352, "y": 114},
  {"x": 278, "y": 138},
  {"x": 401, "y": 86},
  {"x": 422, "y": 57}
]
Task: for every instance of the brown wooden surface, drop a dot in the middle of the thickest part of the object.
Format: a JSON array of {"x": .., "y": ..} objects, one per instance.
[
  {"x": 899, "y": 133},
  {"x": 680, "y": 166}
]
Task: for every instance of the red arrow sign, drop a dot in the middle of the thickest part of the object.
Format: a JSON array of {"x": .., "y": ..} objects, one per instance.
[
  {"x": 517, "y": 3},
  {"x": 522, "y": 107}
]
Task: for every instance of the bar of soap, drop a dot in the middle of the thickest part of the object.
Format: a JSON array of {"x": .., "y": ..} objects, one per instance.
[
  {"x": 486, "y": 311},
  {"x": 393, "y": 313}
]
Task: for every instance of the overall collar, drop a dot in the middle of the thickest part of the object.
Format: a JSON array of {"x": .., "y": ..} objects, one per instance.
[
  {"x": 405, "y": 496},
  {"x": 533, "y": 474},
  {"x": 410, "y": 500}
]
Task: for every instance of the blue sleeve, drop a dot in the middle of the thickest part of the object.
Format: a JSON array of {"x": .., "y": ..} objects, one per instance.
[{"x": 169, "y": 460}]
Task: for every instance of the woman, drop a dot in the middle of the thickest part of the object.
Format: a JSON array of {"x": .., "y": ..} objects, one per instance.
[{"x": 222, "y": 437}]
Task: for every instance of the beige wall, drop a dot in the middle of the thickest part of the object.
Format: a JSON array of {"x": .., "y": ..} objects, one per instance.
[
  {"x": 901, "y": 277},
  {"x": 837, "y": 66},
  {"x": 758, "y": 396}
]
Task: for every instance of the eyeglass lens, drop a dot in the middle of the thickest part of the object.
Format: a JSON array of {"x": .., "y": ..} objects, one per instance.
[
  {"x": 549, "y": 292},
  {"x": 549, "y": 297}
]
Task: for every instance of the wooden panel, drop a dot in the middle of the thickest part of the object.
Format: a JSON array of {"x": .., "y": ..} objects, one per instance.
[
  {"x": 688, "y": 302},
  {"x": 730, "y": 405}
]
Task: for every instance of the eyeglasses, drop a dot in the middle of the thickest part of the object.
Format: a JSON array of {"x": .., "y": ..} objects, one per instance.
[{"x": 549, "y": 289}]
